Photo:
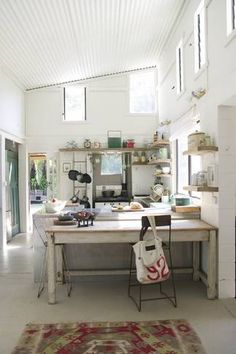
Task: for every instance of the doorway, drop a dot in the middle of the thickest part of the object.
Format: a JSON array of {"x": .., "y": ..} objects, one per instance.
[
  {"x": 38, "y": 178},
  {"x": 12, "y": 190}
]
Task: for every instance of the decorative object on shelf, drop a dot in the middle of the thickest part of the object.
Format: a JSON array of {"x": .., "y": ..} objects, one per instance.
[
  {"x": 199, "y": 93},
  {"x": 195, "y": 140},
  {"x": 114, "y": 138},
  {"x": 201, "y": 178},
  {"x": 124, "y": 144},
  {"x": 163, "y": 130},
  {"x": 163, "y": 153},
  {"x": 153, "y": 157},
  {"x": 66, "y": 166},
  {"x": 72, "y": 144},
  {"x": 166, "y": 170},
  {"x": 96, "y": 144},
  {"x": 212, "y": 175},
  {"x": 143, "y": 157},
  {"x": 136, "y": 157},
  {"x": 155, "y": 137},
  {"x": 207, "y": 140},
  {"x": 158, "y": 170},
  {"x": 157, "y": 191},
  {"x": 87, "y": 144},
  {"x": 165, "y": 196},
  {"x": 130, "y": 143}
]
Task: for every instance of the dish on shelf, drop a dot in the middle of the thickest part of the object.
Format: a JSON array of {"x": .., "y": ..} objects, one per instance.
[
  {"x": 157, "y": 192},
  {"x": 166, "y": 169}
]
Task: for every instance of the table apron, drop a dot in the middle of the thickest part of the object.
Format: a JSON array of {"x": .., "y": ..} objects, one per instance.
[{"x": 127, "y": 236}]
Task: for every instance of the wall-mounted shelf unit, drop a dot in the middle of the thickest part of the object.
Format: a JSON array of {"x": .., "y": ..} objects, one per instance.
[
  {"x": 201, "y": 189},
  {"x": 155, "y": 145},
  {"x": 201, "y": 150},
  {"x": 163, "y": 175},
  {"x": 140, "y": 163},
  {"x": 159, "y": 143},
  {"x": 155, "y": 162}
]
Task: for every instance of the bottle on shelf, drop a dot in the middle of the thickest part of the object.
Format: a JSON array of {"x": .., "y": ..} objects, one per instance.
[{"x": 143, "y": 157}]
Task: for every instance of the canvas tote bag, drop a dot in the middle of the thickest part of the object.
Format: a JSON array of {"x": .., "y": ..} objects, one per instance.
[{"x": 150, "y": 260}]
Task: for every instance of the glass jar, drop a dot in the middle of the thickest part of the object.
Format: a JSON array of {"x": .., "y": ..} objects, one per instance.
[
  {"x": 202, "y": 178},
  {"x": 136, "y": 157},
  {"x": 143, "y": 157}
]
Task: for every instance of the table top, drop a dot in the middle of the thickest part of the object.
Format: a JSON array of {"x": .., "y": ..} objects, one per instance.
[{"x": 131, "y": 225}]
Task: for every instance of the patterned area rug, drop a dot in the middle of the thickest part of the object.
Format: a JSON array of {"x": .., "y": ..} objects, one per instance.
[{"x": 162, "y": 337}]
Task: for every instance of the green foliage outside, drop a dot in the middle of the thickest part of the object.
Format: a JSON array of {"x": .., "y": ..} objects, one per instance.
[{"x": 38, "y": 175}]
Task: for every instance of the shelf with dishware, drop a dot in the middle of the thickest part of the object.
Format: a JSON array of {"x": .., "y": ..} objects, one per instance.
[
  {"x": 201, "y": 188},
  {"x": 201, "y": 150},
  {"x": 162, "y": 175},
  {"x": 157, "y": 161},
  {"x": 106, "y": 149},
  {"x": 204, "y": 181}
]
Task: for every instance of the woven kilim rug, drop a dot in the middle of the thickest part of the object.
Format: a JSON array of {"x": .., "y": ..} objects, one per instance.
[{"x": 164, "y": 337}]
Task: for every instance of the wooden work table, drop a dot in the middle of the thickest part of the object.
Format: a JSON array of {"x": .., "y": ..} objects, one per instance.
[{"x": 127, "y": 231}]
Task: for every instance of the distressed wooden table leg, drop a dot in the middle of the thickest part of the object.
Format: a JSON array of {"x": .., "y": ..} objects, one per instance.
[
  {"x": 211, "y": 276},
  {"x": 196, "y": 260},
  {"x": 51, "y": 270},
  {"x": 59, "y": 264}
]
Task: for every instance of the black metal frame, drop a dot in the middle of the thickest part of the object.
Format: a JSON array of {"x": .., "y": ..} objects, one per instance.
[{"x": 160, "y": 220}]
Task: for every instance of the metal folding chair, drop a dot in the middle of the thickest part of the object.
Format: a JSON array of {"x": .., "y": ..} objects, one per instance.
[{"x": 160, "y": 220}]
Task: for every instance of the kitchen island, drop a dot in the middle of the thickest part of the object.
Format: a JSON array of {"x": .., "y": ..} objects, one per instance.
[{"x": 127, "y": 231}]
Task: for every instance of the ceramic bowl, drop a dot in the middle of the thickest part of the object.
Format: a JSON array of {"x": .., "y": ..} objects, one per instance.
[
  {"x": 54, "y": 207},
  {"x": 166, "y": 170}
]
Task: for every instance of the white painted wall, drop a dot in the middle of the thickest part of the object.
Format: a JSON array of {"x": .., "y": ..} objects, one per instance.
[
  {"x": 218, "y": 78},
  {"x": 107, "y": 109},
  {"x": 12, "y": 126},
  {"x": 12, "y": 116}
]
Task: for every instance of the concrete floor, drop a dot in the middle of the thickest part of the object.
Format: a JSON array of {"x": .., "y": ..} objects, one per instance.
[{"x": 213, "y": 320}]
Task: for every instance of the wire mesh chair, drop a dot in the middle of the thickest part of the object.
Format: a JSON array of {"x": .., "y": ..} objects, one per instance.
[
  {"x": 39, "y": 226},
  {"x": 160, "y": 220}
]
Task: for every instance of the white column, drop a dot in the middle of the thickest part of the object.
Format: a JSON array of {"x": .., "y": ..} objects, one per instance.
[
  {"x": 24, "y": 189},
  {"x": 3, "y": 234}
]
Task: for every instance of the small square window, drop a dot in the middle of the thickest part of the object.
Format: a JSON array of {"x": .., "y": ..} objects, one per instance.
[
  {"x": 111, "y": 164},
  {"x": 74, "y": 104},
  {"x": 231, "y": 16},
  {"x": 200, "y": 36},
  {"x": 142, "y": 93},
  {"x": 179, "y": 68}
]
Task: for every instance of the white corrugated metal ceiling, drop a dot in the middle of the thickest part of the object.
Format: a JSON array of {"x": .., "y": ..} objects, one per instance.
[{"x": 44, "y": 42}]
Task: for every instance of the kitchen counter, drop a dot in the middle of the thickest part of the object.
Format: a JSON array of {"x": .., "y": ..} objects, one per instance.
[{"x": 107, "y": 214}]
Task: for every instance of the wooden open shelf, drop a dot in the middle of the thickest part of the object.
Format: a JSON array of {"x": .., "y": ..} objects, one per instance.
[
  {"x": 101, "y": 150},
  {"x": 201, "y": 150},
  {"x": 163, "y": 175},
  {"x": 201, "y": 189},
  {"x": 139, "y": 163},
  {"x": 155, "y": 162},
  {"x": 159, "y": 143}
]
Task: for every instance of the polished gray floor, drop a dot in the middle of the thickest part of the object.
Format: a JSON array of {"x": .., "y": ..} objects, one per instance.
[{"x": 213, "y": 320}]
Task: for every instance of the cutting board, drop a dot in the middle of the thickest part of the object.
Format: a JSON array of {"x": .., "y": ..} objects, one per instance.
[
  {"x": 126, "y": 210},
  {"x": 185, "y": 208}
]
